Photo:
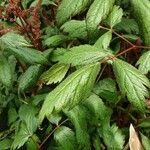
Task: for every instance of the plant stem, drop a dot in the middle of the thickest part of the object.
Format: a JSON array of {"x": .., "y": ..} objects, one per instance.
[
  {"x": 52, "y": 133},
  {"x": 125, "y": 51},
  {"x": 120, "y": 36},
  {"x": 100, "y": 74}
]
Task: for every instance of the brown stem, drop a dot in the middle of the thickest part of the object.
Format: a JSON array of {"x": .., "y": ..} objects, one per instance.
[
  {"x": 123, "y": 38},
  {"x": 41, "y": 145},
  {"x": 120, "y": 36},
  {"x": 125, "y": 51},
  {"x": 101, "y": 73},
  {"x": 131, "y": 48}
]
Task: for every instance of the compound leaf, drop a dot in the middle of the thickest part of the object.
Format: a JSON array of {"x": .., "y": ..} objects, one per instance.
[
  {"x": 78, "y": 117},
  {"x": 132, "y": 83},
  {"x": 100, "y": 116},
  {"x": 113, "y": 137},
  {"x": 74, "y": 89},
  {"x": 27, "y": 114},
  {"x": 65, "y": 138},
  {"x": 99, "y": 113},
  {"x": 21, "y": 137}
]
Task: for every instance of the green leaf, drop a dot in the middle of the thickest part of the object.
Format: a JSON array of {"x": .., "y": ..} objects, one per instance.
[
  {"x": 55, "y": 118},
  {"x": 128, "y": 25},
  {"x": 75, "y": 29},
  {"x": 74, "y": 89},
  {"x": 106, "y": 89},
  {"x": 37, "y": 99},
  {"x": 99, "y": 113},
  {"x": 28, "y": 55},
  {"x": 70, "y": 8},
  {"x": 132, "y": 83},
  {"x": 49, "y": 31},
  {"x": 83, "y": 54},
  {"x": 131, "y": 37},
  {"x": 12, "y": 39},
  {"x": 13, "y": 64},
  {"x": 144, "y": 124},
  {"x": 25, "y": 3},
  {"x": 12, "y": 115},
  {"x": 100, "y": 116},
  {"x": 47, "y": 53},
  {"x": 57, "y": 53},
  {"x": 55, "y": 40},
  {"x": 113, "y": 137},
  {"x": 21, "y": 137},
  {"x": 5, "y": 72},
  {"x": 55, "y": 74},
  {"x": 65, "y": 139},
  {"x": 96, "y": 142},
  {"x": 144, "y": 63},
  {"x": 97, "y": 12},
  {"x": 30, "y": 77},
  {"x": 115, "y": 16},
  {"x": 145, "y": 142},
  {"x": 104, "y": 41},
  {"x": 5, "y": 144},
  {"x": 19, "y": 47},
  {"x": 27, "y": 115},
  {"x": 32, "y": 143},
  {"x": 78, "y": 117}
]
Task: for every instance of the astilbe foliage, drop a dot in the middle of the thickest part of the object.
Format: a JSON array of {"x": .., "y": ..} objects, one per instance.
[{"x": 74, "y": 74}]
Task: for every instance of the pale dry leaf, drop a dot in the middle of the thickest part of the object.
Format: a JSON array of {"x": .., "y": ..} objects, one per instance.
[{"x": 134, "y": 142}]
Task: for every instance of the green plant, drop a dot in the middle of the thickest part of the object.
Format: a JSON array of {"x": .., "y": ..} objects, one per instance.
[{"x": 74, "y": 74}]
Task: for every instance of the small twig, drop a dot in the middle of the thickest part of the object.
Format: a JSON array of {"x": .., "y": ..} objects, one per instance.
[
  {"x": 125, "y": 51},
  {"x": 101, "y": 73},
  {"x": 143, "y": 47},
  {"x": 121, "y": 53},
  {"x": 120, "y": 36},
  {"x": 52, "y": 133},
  {"x": 131, "y": 48}
]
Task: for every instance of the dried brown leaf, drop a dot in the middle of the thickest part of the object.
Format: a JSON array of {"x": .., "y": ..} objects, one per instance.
[{"x": 134, "y": 142}]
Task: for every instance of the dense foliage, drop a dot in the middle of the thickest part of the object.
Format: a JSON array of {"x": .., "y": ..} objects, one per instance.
[{"x": 74, "y": 74}]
